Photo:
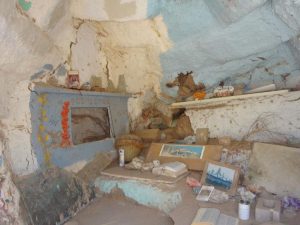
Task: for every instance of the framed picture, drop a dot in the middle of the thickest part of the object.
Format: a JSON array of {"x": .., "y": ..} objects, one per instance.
[
  {"x": 222, "y": 176},
  {"x": 205, "y": 193},
  {"x": 73, "y": 79},
  {"x": 182, "y": 151}
]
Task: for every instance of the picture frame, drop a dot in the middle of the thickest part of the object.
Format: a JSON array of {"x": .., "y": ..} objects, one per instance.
[
  {"x": 204, "y": 193},
  {"x": 222, "y": 176},
  {"x": 73, "y": 79},
  {"x": 182, "y": 151}
]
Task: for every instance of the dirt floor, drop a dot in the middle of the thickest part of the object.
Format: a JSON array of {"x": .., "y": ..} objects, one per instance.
[
  {"x": 116, "y": 209},
  {"x": 111, "y": 211}
]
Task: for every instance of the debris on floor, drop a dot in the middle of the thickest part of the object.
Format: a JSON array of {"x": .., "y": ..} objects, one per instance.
[
  {"x": 138, "y": 163},
  {"x": 246, "y": 195},
  {"x": 192, "y": 182},
  {"x": 290, "y": 202},
  {"x": 218, "y": 197}
]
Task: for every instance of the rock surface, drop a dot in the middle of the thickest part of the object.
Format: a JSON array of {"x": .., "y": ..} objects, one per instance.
[
  {"x": 276, "y": 168},
  {"x": 56, "y": 196}
]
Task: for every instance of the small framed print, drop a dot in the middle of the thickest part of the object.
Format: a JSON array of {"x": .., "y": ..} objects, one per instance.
[
  {"x": 205, "y": 193},
  {"x": 182, "y": 151},
  {"x": 222, "y": 176},
  {"x": 73, "y": 79}
]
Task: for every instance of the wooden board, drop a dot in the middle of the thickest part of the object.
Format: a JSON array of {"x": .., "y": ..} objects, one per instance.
[
  {"x": 199, "y": 103},
  {"x": 120, "y": 172},
  {"x": 211, "y": 152}
]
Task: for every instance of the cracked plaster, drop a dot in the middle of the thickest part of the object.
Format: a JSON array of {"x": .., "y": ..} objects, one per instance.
[{"x": 254, "y": 43}]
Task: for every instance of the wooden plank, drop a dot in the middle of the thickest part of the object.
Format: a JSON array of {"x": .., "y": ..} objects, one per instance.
[
  {"x": 119, "y": 172},
  {"x": 224, "y": 99}
]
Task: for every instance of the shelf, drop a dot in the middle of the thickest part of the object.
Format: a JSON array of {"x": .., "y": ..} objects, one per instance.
[
  {"x": 214, "y": 101},
  {"x": 56, "y": 90}
]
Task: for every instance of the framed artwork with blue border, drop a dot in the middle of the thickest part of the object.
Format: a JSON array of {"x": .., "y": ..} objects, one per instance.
[{"x": 220, "y": 175}]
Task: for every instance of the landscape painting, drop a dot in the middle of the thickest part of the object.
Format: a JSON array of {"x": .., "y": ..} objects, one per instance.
[
  {"x": 182, "y": 151},
  {"x": 220, "y": 176}
]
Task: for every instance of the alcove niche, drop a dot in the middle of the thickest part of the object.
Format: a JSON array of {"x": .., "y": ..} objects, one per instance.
[{"x": 70, "y": 127}]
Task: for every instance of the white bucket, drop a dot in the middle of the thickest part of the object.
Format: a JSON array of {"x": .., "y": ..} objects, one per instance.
[{"x": 244, "y": 210}]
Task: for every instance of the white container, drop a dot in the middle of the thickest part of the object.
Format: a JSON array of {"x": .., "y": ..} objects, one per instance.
[
  {"x": 244, "y": 210},
  {"x": 121, "y": 157}
]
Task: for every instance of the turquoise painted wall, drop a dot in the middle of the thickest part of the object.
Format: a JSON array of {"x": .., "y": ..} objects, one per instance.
[
  {"x": 143, "y": 193},
  {"x": 250, "y": 46}
]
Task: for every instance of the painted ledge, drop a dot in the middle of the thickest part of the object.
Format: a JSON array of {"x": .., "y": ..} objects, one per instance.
[
  {"x": 222, "y": 100},
  {"x": 40, "y": 88}
]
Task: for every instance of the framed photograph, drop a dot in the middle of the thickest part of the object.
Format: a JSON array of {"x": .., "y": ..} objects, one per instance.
[
  {"x": 73, "y": 79},
  {"x": 222, "y": 176},
  {"x": 182, "y": 151},
  {"x": 205, "y": 193}
]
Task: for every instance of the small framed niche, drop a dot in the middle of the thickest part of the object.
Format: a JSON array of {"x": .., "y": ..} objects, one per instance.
[{"x": 90, "y": 124}]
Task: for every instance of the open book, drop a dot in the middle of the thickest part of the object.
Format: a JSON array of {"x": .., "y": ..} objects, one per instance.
[{"x": 212, "y": 216}]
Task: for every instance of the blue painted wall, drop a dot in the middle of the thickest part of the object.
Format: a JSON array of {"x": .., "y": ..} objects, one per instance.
[
  {"x": 46, "y": 107},
  {"x": 252, "y": 48}
]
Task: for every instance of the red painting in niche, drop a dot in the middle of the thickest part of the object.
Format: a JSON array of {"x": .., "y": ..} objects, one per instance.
[{"x": 65, "y": 137}]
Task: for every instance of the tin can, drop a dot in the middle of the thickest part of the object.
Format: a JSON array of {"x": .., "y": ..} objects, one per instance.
[
  {"x": 244, "y": 210},
  {"x": 121, "y": 157}
]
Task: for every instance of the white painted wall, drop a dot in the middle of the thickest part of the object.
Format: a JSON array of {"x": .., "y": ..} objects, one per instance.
[
  {"x": 22, "y": 158},
  {"x": 25, "y": 48},
  {"x": 111, "y": 50},
  {"x": 113, "y": 10},
  {"x": 274, "y": 119},
  {"x": 134, "y": 49}
]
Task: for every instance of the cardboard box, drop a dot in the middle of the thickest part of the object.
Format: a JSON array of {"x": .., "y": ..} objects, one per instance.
[{"x": 211, "y": 152}]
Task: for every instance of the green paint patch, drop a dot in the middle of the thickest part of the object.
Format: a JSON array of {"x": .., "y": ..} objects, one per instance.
[{"x": 25, "y": 4}]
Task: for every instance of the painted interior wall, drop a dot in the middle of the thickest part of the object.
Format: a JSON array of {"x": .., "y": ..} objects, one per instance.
[
  {"x": 137, "y": 46},
  {"x": 251, "y": 120},
  {"x": 51, "y": 118}
]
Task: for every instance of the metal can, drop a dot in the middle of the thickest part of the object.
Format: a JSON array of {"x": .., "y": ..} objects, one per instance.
[
  {"x": 244, "y": 210},
  {"x": 121, "y": 157}
]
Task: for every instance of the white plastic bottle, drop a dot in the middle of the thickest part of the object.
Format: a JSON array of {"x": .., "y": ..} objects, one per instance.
[{"x": 121, "y": 157}]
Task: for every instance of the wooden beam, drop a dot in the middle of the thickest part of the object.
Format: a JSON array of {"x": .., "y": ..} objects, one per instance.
[{"x": 212, "y": 101}]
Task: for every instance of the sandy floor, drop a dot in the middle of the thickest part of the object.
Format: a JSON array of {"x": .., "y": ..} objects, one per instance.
[
  {"x": 110, "y": 211},
  {"x": 116, "y": 210}
]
